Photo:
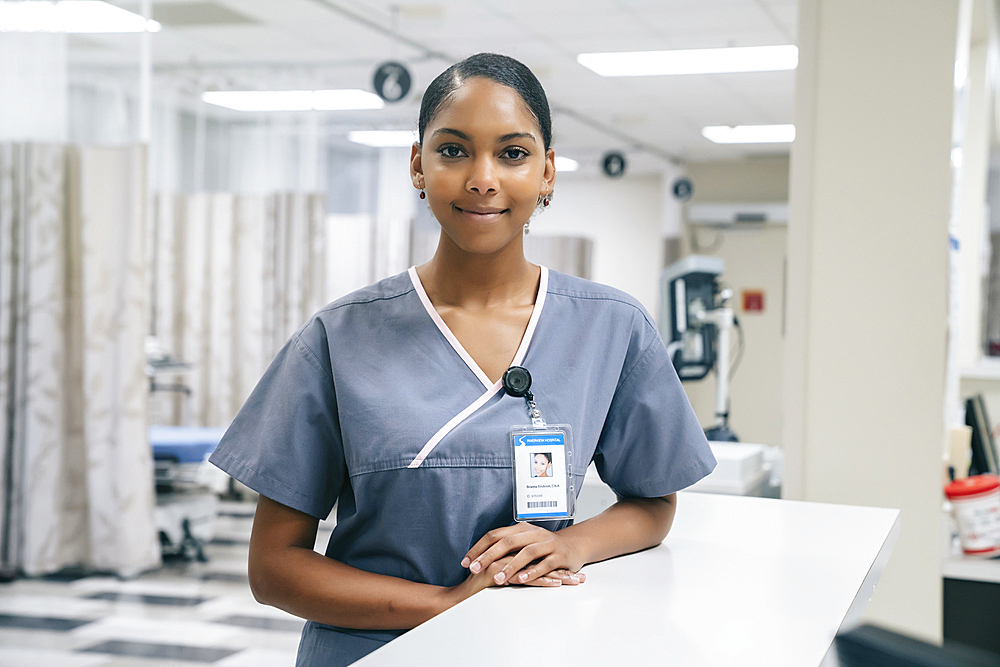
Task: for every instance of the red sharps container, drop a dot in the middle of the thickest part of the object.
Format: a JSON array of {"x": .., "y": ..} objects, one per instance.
[{"x": 975, "y": 503}]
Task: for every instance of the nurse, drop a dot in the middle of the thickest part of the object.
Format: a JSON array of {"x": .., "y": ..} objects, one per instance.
[{"x": 389, "y": 402}]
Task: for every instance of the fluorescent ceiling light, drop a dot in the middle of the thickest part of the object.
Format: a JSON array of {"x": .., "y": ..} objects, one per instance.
[
  {"x": 566, "y": 164},
  {"x": 79, "y": 16},
  {"x": 383, "y": 138},
  {"x": 692, "y": 61},
  {"x": 749, "y": 134},
  {"x": 294, "y": 100}
]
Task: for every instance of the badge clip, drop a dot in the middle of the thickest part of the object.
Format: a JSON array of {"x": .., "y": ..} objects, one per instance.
[
  {"x": 542, "y": 459},
  {"x": 517, "y": 383}
]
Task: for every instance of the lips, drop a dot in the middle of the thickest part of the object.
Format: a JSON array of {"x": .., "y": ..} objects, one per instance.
[{"x": 482, "y": 211}]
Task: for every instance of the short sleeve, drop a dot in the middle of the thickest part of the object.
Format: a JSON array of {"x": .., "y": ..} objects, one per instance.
[
  {"x": 285, "y": 443},
  {"x": 652, "y": 444}
]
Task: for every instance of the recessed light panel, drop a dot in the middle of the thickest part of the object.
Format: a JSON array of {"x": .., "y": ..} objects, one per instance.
[
  {"x": 749, "y": 134},
  {"x": 294, "y": 100},
  {"x": 566, "y": 164},
  {"x": 383, "y": 138},
  {"x": 70, "y": 16},
  {"x": 692, "y": 61}
]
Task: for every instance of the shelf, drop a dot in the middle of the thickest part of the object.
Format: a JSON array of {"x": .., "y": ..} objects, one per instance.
[
  {"x": 986, "y": 369},
  {"x": 971, "y": 569}
]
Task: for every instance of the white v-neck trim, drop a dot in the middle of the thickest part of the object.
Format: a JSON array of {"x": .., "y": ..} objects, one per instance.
[
  {"x": 491, "y": 388},
  {"x": 460, "y": 349}
]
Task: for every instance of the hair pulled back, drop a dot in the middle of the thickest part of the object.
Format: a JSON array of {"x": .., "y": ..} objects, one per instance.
[{"x": 502, "y": 69}]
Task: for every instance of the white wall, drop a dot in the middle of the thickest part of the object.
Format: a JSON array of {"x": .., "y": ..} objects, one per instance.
[
  {"x": 33, "y": 87},
  {"x": 623, "y": 218},
  {"x": 867, "y": 307}
]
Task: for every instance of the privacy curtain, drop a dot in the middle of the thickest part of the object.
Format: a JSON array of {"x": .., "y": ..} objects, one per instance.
[
  {"x": 235, "y": 277},
  {"x": 76, "y": 472}
]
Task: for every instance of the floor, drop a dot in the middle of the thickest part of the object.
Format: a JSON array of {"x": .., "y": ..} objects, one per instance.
[{"x": 183, "y": 614}]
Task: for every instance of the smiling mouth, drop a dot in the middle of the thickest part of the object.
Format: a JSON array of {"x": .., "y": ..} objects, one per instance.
[{"x": 484, "y": 213}]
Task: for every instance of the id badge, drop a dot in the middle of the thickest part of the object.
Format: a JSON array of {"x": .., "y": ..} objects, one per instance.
[{"x": 543, "y": 472}]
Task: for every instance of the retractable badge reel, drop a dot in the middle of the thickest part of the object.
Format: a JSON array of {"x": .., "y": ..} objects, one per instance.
[{"x": 542, "y": 459}]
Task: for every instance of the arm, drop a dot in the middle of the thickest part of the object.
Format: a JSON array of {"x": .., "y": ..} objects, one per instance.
[
  {"x": 286, "y": 573},
  {"x": 630, "y": 525}
]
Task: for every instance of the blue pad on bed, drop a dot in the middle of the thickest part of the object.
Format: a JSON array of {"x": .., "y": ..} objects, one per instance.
[{"x": 184, "y": 444}]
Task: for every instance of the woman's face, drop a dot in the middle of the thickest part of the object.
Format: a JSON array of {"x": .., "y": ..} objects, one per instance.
[
  {"x": 483, "y": 165},
  {"x": 541, "y": 463}
]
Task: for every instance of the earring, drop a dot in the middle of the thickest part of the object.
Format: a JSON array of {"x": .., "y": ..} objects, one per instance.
[
  {"x": 545, "y": 202},
  {"x": 423, "y": 195},
  {"x": 526, "y": 227}
]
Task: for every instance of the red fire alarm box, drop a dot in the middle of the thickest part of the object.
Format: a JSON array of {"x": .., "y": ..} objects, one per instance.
[{"x": 753, "y": 301}]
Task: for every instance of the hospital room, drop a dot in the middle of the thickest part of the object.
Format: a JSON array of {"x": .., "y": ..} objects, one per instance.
[{"x": 334, "y": 332}]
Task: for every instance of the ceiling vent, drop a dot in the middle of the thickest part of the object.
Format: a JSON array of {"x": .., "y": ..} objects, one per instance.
[
  {"x": 734, "y": 215},
  {"x": 195, "y": 14}
]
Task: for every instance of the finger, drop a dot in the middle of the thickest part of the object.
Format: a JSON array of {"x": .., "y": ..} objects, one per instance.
[
  {"x": 490, "y": 573},
  {"x": 484, "y": 580},
  {"x": 568, "y": 577},
  {"x": 487, "y": 541},
  {"x": 546, "y": 582},
  {"x": 509, "y": 544},
  {"x": 524, "y": 560},
  {"x": 549, "y": 565}
]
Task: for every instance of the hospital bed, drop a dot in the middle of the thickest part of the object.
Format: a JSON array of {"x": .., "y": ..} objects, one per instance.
[{"x": 186, "y": 488}]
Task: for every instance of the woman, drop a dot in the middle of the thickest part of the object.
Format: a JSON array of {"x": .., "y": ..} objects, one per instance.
[
  {"x": 543, "y": 465},
  {"x": 388, "y": 402}
]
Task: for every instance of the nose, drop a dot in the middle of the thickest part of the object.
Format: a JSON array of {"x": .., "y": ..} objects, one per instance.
[{"x": 482, "y": 178}]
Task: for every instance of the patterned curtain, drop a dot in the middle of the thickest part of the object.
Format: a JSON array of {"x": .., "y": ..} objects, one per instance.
[
  {"x": 76, "y": 472},
  {"x": 235, "y": 276}
]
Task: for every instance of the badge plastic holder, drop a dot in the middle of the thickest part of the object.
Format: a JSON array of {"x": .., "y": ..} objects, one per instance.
[{"x": 543, "y": 472}]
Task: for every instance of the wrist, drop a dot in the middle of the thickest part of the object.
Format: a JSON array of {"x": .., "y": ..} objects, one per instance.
[
  {"x": 578, "y": 545},
  {"x": 448, "y": 597}
]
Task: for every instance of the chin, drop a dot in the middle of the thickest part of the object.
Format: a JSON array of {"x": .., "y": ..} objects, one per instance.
[{"x": 484, "y": 244}]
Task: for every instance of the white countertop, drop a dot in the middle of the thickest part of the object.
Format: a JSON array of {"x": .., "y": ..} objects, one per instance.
[{"x": 747, "y": 581}]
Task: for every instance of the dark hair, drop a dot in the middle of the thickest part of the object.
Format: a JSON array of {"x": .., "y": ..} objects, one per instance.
[{"x": 502, "y": 69}]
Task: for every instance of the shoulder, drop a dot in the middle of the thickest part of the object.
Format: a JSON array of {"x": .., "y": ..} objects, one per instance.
[
  {"x": 370, "y": 297},
  {"x": 597, "y": 297},
  {"x": 366, "y": 304},
  {"x": 353, "y": 314}
]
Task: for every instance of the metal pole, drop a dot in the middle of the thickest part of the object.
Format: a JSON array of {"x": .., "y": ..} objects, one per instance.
[
  {"x": 724, "y": 320},
  {"x": 145, "y": 73}
]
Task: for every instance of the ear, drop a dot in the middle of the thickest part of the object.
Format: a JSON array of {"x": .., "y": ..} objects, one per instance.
[
  {"x": 416, "y": 167},
  {"x": 549, "y": 177}
]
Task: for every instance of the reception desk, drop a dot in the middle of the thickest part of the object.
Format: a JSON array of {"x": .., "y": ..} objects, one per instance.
[{"x": 739, "y": 581}]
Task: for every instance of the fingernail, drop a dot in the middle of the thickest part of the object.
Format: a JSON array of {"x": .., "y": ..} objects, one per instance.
[
  {"x": 476, "y": 566},
  {"x": 582, "y": 576},
  {"x": 574, "y": 577},
  {"x": 465, "y": 562},
  {"x": 524, "y": 576},
  {"x": 499, "y": 577}
]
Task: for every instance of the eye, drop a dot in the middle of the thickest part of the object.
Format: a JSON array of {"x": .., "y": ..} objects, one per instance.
[
  {"x": 451, "y": 150},
  {"x": 514, "y": 153}
]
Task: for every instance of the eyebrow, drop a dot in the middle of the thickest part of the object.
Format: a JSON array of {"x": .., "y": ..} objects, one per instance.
[
  {"x": 448, "y": 130},
  {"x": 516, "y": 135},
  {"x": 500, "y": 140}
]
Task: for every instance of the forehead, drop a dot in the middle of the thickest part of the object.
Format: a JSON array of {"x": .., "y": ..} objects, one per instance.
[{"x": 490, "y": 107}]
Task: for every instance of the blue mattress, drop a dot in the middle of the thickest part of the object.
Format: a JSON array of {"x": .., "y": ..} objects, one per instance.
[{"x": 184, "y": 444}]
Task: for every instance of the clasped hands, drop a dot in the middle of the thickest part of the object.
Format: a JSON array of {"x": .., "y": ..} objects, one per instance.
[{"x": 524, "y": 554}]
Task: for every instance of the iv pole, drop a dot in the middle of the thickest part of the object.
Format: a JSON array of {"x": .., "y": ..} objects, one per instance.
[{"x": 724, "y": 320}]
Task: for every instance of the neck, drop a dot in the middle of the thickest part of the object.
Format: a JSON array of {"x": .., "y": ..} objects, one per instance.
[{"x": 455, "y": 277}]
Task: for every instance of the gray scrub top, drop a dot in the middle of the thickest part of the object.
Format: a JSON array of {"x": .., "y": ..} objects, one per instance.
[{"x": 375, "y": 406}]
